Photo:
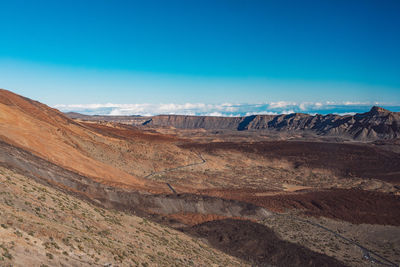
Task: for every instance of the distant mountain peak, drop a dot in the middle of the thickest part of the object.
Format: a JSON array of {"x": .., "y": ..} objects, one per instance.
[
  {"x": 376, "y": 124},
  {"x": 378, "y": 110}
]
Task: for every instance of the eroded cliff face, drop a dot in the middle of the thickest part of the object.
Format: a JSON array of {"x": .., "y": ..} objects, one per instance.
[
  {"x": 195, "y": 122},
  {"x": 377, "y": 124}
]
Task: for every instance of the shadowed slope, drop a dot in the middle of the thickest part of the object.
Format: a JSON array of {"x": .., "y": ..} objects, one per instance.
[{"x": 258, "y": 244}]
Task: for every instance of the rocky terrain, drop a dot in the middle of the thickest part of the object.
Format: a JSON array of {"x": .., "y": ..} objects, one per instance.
[
  {"x": 41, "y": 226},
  {"x": 131, "y": 120},
  {"x": 95, "y": 191},
  {"x": 376, "y": 124}
]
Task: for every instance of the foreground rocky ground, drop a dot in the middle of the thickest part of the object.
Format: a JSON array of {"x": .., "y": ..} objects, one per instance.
[{"x": 41, "y": 226}]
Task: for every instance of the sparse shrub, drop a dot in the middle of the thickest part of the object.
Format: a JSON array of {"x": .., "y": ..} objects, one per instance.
[
  {"x": 104, "y": 233},
  {"x": 55, "y": 245},
  {"x": 46, "y": 245},
  {"x": 18, "y": 233},
  {"x": 7, "y": 255},
  {"x": 9, "y": 202},
  {"x": 66, "y": 241},
  {"x": 49, "y": 255}
]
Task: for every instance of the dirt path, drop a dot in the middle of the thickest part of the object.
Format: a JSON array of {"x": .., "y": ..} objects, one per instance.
[
  {"x": 180, "y": 167},
  {"x": 367, "y": 254}
]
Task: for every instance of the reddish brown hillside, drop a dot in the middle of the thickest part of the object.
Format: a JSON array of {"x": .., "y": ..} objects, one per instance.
[{"x": 46, "y": 132}]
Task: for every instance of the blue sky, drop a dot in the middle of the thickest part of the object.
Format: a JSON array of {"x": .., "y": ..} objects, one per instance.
[{"x": 209, "y": 52}]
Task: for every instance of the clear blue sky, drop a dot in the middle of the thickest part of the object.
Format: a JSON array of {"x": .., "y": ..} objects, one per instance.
[{"x": 70, "y": 52}]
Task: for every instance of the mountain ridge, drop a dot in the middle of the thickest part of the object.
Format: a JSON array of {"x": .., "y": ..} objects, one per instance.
[{"x": 376, "y": 124}]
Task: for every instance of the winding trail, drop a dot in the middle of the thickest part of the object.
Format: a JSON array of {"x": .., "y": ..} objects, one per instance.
[
  {"x": 365, "y": 252},
  {"x": 368, "y": 254},
  {"x": 180, "y": 167}
]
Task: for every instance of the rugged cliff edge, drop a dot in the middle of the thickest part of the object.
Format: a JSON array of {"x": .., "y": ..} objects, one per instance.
[{"x": 377, "y": 124}]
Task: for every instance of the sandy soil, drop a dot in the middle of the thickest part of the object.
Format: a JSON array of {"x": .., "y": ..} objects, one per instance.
[{"x": 41, "y": 226}]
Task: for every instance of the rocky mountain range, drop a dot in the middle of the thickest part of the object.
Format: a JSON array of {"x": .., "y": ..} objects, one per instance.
[{"x": 376, "y": 124}]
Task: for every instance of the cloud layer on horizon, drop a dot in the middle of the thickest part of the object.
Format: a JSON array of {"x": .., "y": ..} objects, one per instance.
[{"x": 225, "y": 109}]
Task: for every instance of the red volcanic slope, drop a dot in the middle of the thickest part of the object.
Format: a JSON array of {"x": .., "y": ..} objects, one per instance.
[{"x": 49, "y": 134}]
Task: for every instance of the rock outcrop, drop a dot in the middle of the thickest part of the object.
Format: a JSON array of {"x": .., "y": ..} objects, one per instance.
[{"x": 377, "y": 124}]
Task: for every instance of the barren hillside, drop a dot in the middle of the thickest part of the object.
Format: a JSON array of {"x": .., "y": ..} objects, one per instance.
[{"x": 297, "y": 201}]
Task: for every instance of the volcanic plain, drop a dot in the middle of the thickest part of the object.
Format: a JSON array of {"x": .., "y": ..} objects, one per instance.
[{"x": 286, "y": 190}]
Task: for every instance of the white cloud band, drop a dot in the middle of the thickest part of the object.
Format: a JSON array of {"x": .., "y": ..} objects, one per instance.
[{"x": 225, "y": 109}]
